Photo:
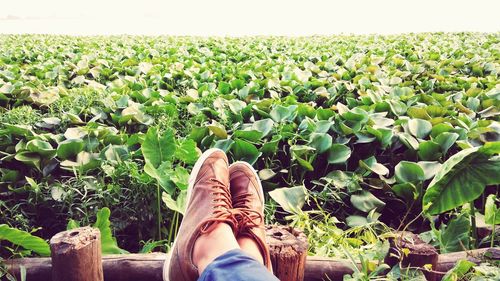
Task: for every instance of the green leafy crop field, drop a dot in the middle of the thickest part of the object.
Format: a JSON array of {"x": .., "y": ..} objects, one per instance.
[{"x": 353, "y": 136}]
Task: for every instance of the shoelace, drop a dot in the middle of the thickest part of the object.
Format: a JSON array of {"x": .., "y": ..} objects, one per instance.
[
  {"x": 248, "y": 218},
  {"x": 223, "y": 211}
]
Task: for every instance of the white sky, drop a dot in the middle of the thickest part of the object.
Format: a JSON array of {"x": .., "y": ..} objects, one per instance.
[{"x": 242, "y": 17}]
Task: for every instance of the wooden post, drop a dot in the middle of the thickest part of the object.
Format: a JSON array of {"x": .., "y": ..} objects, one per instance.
[
  {"x": 412, "y": 251},
  {"x": 76, "y": 255},
  {"x": 288, "y": 248}
]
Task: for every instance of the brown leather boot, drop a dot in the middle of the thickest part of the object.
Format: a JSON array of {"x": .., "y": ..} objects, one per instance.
[
  {"x": 209, "y": 203},
  {"x": 248, "y": 201}
]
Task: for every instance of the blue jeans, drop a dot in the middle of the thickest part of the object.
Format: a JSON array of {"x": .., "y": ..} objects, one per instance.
[{"x": 235, "y": 265}]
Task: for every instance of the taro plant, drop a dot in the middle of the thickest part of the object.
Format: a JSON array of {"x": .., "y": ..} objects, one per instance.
[{"x": 462, "y": 179}]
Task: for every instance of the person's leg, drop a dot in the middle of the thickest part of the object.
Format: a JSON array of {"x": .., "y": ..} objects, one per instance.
[
  {"x": 206, "y": 230},
  {"x": 212, "y": 245},
  {"x": 248, "y": 263},
  {"x": 236, "y": 265},
  {"x": 205, "y": 244},
  {"x": 249, "y": 246}
]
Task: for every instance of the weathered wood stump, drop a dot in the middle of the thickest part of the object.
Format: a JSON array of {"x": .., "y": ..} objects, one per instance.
[
  {"x": 76, "y": 255},
  {"x": 412, "y": 251},
  {"x": 288, "y": 248}
]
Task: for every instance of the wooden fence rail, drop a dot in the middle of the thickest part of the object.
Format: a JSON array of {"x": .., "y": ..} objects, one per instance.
[{"x": 148, "y": 267}]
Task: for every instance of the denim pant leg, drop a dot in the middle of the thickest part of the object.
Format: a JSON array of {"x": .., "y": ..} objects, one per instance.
[{"x": 235, "y": 265}]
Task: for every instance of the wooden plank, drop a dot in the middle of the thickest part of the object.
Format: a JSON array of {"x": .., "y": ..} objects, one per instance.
[{"x": 148, "y": 267}]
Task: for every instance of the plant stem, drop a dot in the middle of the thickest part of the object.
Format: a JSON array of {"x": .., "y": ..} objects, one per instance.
[
  {"x": 171, "y": 229},
  {"x": 176, "y": 228},
  {"x": 473, "y": 221},
  {"x": 158, "y": 207},
  {"x": 492, "y": 243}
]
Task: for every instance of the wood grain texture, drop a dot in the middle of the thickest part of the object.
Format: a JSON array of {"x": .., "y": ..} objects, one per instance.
[
  {"x": 76, "y": 255},
  {"x": 288, "y": 249}
]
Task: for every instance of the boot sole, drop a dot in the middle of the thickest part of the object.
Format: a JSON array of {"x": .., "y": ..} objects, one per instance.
[{"x": 192, "y": 178}]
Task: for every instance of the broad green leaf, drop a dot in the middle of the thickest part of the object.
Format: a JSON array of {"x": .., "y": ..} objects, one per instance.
[
  {"x": 45, "y": 97},
  {"x": 41, "y": 147},
  {"x": 224, "y": 88},
  {"x": 187, "y": 151},
  {"x": 281, "y": 113},
  {"x": 446, "y": 140},
  {"x": 158, "y": 148},
  {"x": 178, "y": 205},
  {"x": 383, "y": 135},
  {"x": 115, "y": 153},
  {"x": 180, "y": 176},
  {"x": 458, "y": 271},
  {"x": 162, "y": 176},
  {"x": 290, "y": 199},
  {"x": 430, "y": 168},
  {"x": 245, "y": 151},
  {"x": 365, "y": 201},
  {"x": 320, "y": 141},
  {"x": 24, "y": 239},
  {"x": 248, "y": 135},
  {"x": 356, "y": 221},
  {"x": 75, "y": 133},
  {"x": 264, "y": 126},
  {"x": 342, "y": 180},
  {"x": 494, "y": 93},
  {"x": 409, "y": 172},
  {"x": 406, "y": 190},
  {"x": 84, "y": 161},
  {"x": 74, "y": 119},
  {"x": 462, "y": 178},
  {"x": 324, "y": 113},
  {"x": 198, "y": 133},
  {"x": 236, "y": 105},
  {"x": 108, "y": 242},
  {"x": 371, "y": 164},
  {"x": 20, "y": 130},
  {"x": 69, "y": 148},
  {"x": 440, "y": 128},
  {"x": 218, "y": 130},
  {"x": 266, "y": 174},
  {"x": 224, "y": 145},
  {"x": 305, "y": 164},
  {"x": 338, "y": 153},
  {"x": 270, "y": 148},
  {"x": 409, "y": 141},
  {"x": 491, "y": 211},
  {"x": 50, "y": 122},
  {"x": 419, "y": 128},
  {"x": 429, "y": 150},
  {"x": 418, "y": 112},
  {"x": 301, "y": 153},
  {"x": 455, "y": 236},
  {"x": 29, "y": 158}
]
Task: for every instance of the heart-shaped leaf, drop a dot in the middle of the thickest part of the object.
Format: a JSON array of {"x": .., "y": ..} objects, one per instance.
[
  {"x": 338, "y": 153},
  {"x": 290, "y": 199}
]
